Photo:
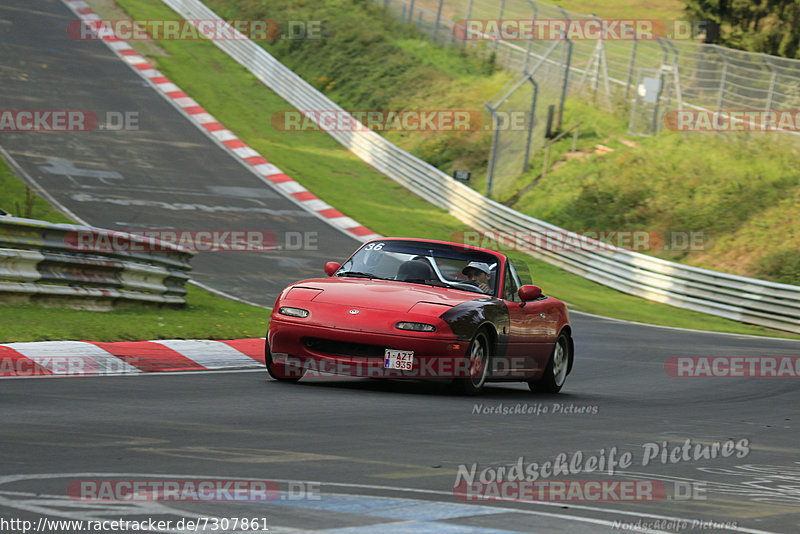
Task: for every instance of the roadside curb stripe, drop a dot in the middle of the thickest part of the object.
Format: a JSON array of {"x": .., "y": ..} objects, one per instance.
[
  {"x": 269, "y": 173},
  {"x": 147, "y": 356},
  {"x": 209, "y": 354},
  {"x": 253, "y": 348},
  {"x": 72, "y": 358},
  {"x": 12, "y": 363},
  {"x": 85, "y": 358}
]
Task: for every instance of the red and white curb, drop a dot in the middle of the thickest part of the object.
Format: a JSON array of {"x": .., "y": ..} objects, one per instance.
[
  {"x": 91, "y": 358},
  {"x": 263, "y": 168}
]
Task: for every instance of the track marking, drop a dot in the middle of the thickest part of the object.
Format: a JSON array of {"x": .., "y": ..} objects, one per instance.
[
  {"x": 681, "y": 329},
  {"x": 7, "y": 479}
]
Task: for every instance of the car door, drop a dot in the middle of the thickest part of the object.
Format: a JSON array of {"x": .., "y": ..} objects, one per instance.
[{"x": 532, "y": 328}]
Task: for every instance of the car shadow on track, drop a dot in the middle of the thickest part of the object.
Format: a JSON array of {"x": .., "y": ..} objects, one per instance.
[{"x": 516, "y": 391}]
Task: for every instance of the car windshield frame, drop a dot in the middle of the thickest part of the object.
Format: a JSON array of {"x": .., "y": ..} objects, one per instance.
[{"x": 381, "y": 259}]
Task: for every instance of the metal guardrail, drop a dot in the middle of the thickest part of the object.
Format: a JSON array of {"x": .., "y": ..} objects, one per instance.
[
  {"x": 734, "y": 297},
  {"x": 88, "y": 267}
]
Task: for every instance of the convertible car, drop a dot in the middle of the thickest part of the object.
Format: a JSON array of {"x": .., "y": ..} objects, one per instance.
[{"x": 423, "y": 309}]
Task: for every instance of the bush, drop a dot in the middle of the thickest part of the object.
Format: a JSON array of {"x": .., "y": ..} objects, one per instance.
[{"x": 781, "y": 266}]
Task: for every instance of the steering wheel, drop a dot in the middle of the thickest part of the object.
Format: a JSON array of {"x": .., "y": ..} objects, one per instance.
[{"x": 466, "y": 287}]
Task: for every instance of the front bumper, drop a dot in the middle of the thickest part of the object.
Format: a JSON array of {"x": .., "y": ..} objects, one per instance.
[{"x": 317, "y": 350}]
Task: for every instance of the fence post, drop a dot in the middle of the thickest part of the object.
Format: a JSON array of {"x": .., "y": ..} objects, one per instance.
[
  {"x": 597, "y": 64},
  {"x": 495, "y": 141},
  {"x": 411, "y": 12},
  {"x": 564, "y": 87},
  {"x": 723, "y": 79},
  {"x": 676, "y": 74},
  {"x": 567, "y": 66},
  {"x": 438, "y": 19},
  {"x": 530, "y": 41},
  {"x": 655, "y": 124},
  {"x": 631, "y": 65},
  {"x": 773, "y": 80},
  {"x": 469, "y": 9},
  {"x": 530, "y": 123},
  {"x": 499, "y": 21}
]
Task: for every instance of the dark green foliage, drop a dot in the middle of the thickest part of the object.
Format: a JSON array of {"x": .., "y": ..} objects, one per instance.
[
  {"x": 781, "y": 266},
  {"x": 769, "y": 26}
]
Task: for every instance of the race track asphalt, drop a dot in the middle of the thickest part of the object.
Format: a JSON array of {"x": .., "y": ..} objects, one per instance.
[{"x": 349, "y": 455}]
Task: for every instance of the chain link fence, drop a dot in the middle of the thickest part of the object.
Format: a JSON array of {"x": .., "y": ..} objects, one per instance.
[
  {"x": 696, "y": 76},
  {"x": 525, "y": 115}
]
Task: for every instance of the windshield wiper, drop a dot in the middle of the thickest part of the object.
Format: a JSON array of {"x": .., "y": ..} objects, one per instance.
[
  {"x": 356, "y": 274},
  {"x": 433, "y": 283}
]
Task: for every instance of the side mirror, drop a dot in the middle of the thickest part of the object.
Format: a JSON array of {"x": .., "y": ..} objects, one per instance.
[
  {"x": 527, "y": 293},
  {"x": 331, "y": 267}
]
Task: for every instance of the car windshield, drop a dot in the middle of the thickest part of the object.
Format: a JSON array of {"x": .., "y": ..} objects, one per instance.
[{"x": 434, "y": 264}]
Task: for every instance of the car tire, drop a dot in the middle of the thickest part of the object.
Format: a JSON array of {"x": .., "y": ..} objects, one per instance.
[
  {"x": 279, "y": 371},
  {"x": 479, "y": 356},
  {"x": 555, "y": 374}
]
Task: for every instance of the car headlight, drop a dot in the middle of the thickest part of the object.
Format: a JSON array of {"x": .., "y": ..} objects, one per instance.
[
  {"x": 293, "y": 312},
  {"x": 416, "y": 327}
]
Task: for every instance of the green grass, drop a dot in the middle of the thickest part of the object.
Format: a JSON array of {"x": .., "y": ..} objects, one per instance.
[
  {"x": 206, "y": 316},
  {"x": 19, "y": 200},
  {"x": 732, "y": 190},
  {"x": 237, "y": 99},
  {"x": 626, "y": 9}
]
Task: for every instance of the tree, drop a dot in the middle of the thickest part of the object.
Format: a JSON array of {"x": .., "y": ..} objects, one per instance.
[{"x": 769, "y": 26}]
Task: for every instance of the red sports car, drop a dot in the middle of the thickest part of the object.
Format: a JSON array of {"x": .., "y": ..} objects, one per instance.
[{"x": 417, "y": 308}]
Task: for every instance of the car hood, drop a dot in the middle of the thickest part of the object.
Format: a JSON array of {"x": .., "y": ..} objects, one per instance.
[{"x": 382, "y": 294}]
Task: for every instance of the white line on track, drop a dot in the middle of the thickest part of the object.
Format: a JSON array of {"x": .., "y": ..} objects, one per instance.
[{"x": 680, "y": 329}]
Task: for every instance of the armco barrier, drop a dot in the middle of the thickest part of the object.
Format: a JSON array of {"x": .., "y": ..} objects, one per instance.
[
  {"x": 735, "y": 297},
  {"x": 48, "y": 261}
]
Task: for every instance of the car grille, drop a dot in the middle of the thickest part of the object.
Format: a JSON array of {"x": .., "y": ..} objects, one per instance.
[{"x": 344, "y": 348}]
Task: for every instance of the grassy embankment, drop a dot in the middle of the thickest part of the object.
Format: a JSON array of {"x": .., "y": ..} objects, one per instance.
[
  {"x": 368, "y": 62},
  {"x": 739, "y": 193}
]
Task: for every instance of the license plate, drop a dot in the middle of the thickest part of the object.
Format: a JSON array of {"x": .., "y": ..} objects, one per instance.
[{"x": 398, "y": 359}]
